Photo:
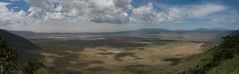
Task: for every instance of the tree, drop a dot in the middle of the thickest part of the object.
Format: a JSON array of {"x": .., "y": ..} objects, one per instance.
[
  {"x": 36, "y": 67},
  {"x": 9, "y": 65},
  {"x": 8, "y": 58}
]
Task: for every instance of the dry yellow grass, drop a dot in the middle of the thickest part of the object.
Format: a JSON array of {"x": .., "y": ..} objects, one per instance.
[
  {"x": 149, "y": 56},
  {"x": 106, "y": 56}
]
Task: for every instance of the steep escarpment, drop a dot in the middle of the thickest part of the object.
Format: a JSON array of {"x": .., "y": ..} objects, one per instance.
[
  {"x": 25, "y": 48},
  {"x": 222, "y": 59}
]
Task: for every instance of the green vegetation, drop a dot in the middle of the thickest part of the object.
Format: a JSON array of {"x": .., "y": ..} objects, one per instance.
[
  {"x": 8, "y": 59},
  {"x": 223, "y": 59},
  {"x": 9, "y": 65}
]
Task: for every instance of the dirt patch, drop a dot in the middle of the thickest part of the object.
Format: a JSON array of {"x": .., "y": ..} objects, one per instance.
[
  {"x": 125, "y": 55},
  {"x": 97, "y": 69},
  {"x": 174, "y": 61}
]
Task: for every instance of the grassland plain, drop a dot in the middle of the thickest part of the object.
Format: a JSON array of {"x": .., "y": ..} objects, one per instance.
[{"x": 118, "y": 55}]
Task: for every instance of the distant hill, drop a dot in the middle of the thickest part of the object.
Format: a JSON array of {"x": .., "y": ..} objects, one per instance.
[
  {"x": 17, "y": 41},
  {"x": 159, "y": 30},
  {"x": 212, "y": 29},
  {"x": 137, "y": 32},
  {"x": 24, "y": 47},
  {"x": 25, "y": 34},
  {"x": 141, "y": 31}
]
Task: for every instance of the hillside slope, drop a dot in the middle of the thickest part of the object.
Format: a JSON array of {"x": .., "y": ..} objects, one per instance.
[
  {"x": 24, "y": 47},
  {"x": 222, "y": 59}
]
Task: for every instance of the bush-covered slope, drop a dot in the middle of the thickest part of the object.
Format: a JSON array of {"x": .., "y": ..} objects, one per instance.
[
  {"x": 223, "y": 59},
  {"x": 9, "y": 65},
  {"x": 23, "y": 47}
]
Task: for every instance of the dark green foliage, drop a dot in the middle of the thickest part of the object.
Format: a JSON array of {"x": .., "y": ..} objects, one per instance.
[
  {"x": 230, "y": 41},
  {"x": 8, "y": 59},
  {"x": 228, "y": 49},
  {"x": 9, "y": 65},
  {"x": 35, "y": 67},
  {"x": 32, "y": 67}
]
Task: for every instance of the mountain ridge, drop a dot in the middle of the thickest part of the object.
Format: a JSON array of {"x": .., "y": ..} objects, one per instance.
[{"x": 25, "y": 48}]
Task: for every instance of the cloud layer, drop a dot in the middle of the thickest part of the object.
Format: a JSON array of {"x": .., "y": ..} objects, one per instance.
[{"x": 106, "y": 15}]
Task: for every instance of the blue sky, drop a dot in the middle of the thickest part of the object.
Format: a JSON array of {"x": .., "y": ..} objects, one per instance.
[
  {"x": 193, "y": 23},
  {"x": 18, "y": 6},
  {"x": 117, "y": 15}
]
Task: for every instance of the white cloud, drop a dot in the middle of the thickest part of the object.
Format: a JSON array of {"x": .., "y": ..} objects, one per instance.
[
  {"x": 97, "y": 16},
  {"x": 54, "y": 15},
  {"x": 205, "y": 10},
  {"x": 225, "y": 20},
  {"x": 36, "y": 13},
  {"x": 116, "y": 11},
  {"x": 148, "y": 14},
  {"x": 143, "y": 14},
  {"x": 110, "y": 11},
  {"x": 9, "y": 19}
]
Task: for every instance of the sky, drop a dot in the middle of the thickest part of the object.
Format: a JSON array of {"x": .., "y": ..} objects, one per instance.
[{"x": 117, "y": 15}]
